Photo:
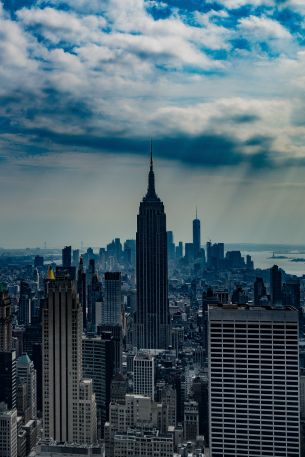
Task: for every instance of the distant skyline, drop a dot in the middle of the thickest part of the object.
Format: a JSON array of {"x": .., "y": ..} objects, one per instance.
[{"x": 218, "y": 85}]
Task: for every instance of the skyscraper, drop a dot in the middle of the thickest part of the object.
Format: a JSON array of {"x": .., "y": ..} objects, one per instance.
[
  {"x": 62, "y": 364},
  {"x": 152, "y": 317},
  {"x": 276, "y": 285},
  {"x": 7, "y": 355},
  {"x": 144, "y": 375},
  {"x": 253, "y": 381},
  {"x": 66, "y": 257},
  {"x": 196, "y": 237},
  {"x": 111, "y": 309}
]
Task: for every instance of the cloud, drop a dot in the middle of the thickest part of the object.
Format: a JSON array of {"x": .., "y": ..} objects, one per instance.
[{"x": 113, "y": 74}]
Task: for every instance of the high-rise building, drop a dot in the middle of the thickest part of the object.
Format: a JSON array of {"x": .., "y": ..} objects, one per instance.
[
  {"x": 259, "y": 291},
  {"x": 117, "y": 341},
  {"x": 152, "y": 316},
  {"x": 5, "y": 320},
  {"x": 144, "y": 374},
  {"x": 82, "y": 290},
  {"x": 26, "y": 374},
  {"x": 75, "y": 258},
  {"x": 66, "y": 257},
  {"x": 25, "y": 304},
  {"x": 276, "y": 285},
  {"x": 8, "y": 431},
  {"x": 170, "y": 245},
  {"x": 62, "y": 351},
  {"x": 7, "y": 354},
  {"x": 191, "y": 421},
  {"x": 196, "y": 237},
  {"x": 111, "y": 309},
  {"x": 62, "y": 362},
  {"x": 253, "y": 381}
]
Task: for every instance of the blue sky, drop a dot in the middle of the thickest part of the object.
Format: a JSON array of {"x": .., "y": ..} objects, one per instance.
[{"x": 218, "y": 85}]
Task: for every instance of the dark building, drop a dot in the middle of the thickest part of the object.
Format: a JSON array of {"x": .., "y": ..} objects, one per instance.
[
  {"x": 276, "y": 285},
  {"x": 170, "y": 245},
  {"x": 25, "y": 308},
  {"x": 66, "y": 257},
  {"x": 117, "y": 340},
  {"x": 152, "y": 317},
  {"x": 189, "y": 252},
  {"x": 196, "y": 237},
  {"x": 38, "y": 261},
  {"x": 8, "y": 378},
  {"x": 82, "y": 290},
  {"x": 259, "y": 291},
  {"x": 215, "y": 254}
]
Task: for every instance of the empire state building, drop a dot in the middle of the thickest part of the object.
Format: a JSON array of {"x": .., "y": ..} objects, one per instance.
[{"x": 152, "y": 317}]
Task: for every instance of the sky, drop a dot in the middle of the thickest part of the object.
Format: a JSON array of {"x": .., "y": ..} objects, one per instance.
[{"x": 217, "y": 84}]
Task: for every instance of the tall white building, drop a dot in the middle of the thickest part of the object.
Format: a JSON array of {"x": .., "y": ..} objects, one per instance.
[
  {"x": 26, "y": 374},
  {"x": 62, "y": 362},
  {"x": 144, "y": 374},
  {"x": 8, "y": 431},
  {"x": 112, "y": 306},
  {"x": 253, "y": 382}
]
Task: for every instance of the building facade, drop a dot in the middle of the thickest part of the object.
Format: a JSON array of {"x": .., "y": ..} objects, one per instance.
[{"x": 253, "y": 382}]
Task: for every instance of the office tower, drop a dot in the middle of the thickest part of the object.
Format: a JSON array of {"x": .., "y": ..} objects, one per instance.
[
  {"x": 292, "y": 293},
  {"x": 189, "y": 252},
  {"x": 82, "y": 290},
  {"x": 26, "y": 375},
  {"x": 179, "y": 250},
  {"x": 38, "y": 261},
  {"x": 75, "y": 257},
  {"x": 94, "y": 368},
  {"x": 130, "y": 251},
  {"x": 144, "y": 374},
  {"x": 8, "y": 378},
  {"x": 5, "y": 321},
  {"x": 234, "y": 259},
  {"x": 196, "y": 237},
  {"x": 119, "y": 388},
  {"x": 8, "y": 431},
  {"x": 253, "y": 381},
  {"x": 191, "y": 420},
  {"x": 259, "y": 291},
  {"x": 66, "y": 257},
  {"x": 170, "y": 245},
  {"x": 117, "y": 340},
  {"x": 152, "y": 316},
  {"x": 168, "y": 398},
  {"x": 276, "y": 285},
  {"x": 62, "y": 333},
  {"x": 108, "y": 366},
  {"x": 249, "y": 263},
  {"x": 25, "y": 304},
  {"x": 215, "y": 254},
  {"x": 112, "y": 306},
  {"x": 7, "y": 355},
  {"x": 62, "y": 362},
  {"x": 87, "y": 413}
]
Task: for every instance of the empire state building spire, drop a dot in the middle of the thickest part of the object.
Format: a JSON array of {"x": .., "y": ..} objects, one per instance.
[{"x": 151, "y": 190}]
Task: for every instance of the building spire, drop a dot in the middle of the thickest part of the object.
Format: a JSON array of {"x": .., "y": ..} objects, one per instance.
[
  {"x": 151, "y": 191},
  {"x": 151, "y": 156}
]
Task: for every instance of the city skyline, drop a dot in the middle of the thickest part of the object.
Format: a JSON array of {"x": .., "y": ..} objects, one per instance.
[{"x": 83, "y": 87}]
